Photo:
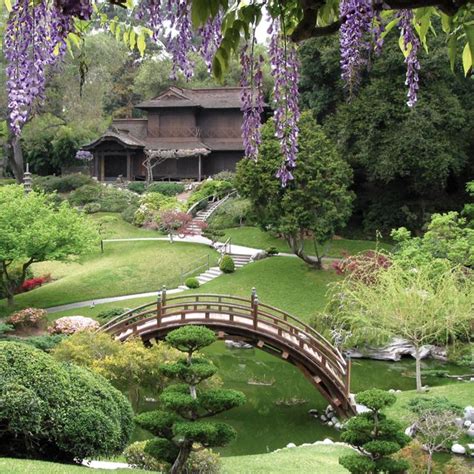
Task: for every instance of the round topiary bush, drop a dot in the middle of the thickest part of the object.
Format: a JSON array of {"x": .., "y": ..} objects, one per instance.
[
  {"x": 55, "y": 411},
  {"x": 192, "y": 282},
  {"x": 271, "y": 251},
  {"x": 227, "y": 264}
]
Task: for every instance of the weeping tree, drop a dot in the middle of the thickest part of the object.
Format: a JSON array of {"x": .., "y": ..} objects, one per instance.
[
  {"x": 430, "y": 303},
  {"x": 181, "y": 422}
]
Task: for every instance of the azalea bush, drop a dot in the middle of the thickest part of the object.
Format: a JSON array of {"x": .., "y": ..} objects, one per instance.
[
  {"x": 28, "y": 318},
  {"x": 71, "y": 324},
  {"x": 150, "y": 204},
  {"x": 33, "y": 283}
]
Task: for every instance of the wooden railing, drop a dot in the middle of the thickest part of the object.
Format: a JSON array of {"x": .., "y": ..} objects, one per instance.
[{"x": 246, "y": 315}]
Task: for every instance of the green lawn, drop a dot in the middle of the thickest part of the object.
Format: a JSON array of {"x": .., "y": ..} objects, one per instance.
[
  {"x": 257, "y": 238},
  {"x": 112, "y": 226},
  {"x": 459, "y": 393},
  {"x": 124, "y": 268},
  {"x": 284, "y": 282},
  {"x": 319, "y": 459},
  {"x": 24, "y": 466}
]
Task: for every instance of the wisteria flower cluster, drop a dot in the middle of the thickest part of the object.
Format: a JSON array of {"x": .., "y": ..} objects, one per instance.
[
  {"x": 252, "y": 100},
  {"x": 84, "y": 155},
  {"x": 411, "y": 45},
  {"x": 361, "y": 27},
  {"x": 170, "y": 21},
  {"x": 285, "y": 72},
  {"x": 35, "y": 39}
]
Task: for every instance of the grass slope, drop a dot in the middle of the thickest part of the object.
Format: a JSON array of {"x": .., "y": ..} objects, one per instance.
[
  {"x": 26, "y": 466},
  {"x": 461, "y": 393},
  {"x": 284, "y": 282},
  {"x": 319, "y": 459},
  {"x": 257, "y": 238},
  {"x": 124, "y": 268}
]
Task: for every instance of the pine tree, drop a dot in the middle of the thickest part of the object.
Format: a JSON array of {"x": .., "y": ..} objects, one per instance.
[{"x": 181, "y": 421}]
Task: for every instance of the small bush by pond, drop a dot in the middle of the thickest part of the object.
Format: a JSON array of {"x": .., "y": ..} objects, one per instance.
[
  {"x": 227, "y": 264},
  {"x": 192, "y": 283}
]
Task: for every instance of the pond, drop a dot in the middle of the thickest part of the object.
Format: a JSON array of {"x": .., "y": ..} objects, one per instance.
[
  {"x": 277, "y": 414},
  {"x": 279, "y": 396}
]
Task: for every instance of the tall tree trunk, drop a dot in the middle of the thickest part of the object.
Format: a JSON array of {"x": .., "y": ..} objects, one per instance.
[
  {"x": 297, "y": 246},
  {"x": 180, "y": 462},
  {"x": 419, "y": 386},
  {"x": 16, "y": 159}
]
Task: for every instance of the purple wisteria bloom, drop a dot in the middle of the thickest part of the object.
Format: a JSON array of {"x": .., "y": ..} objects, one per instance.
[
  {"x": 411, "y": 44},
  {"x": 84, "y": 155}
]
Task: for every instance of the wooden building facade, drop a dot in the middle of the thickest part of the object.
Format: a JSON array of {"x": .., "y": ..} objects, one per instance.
[{"x": 196, "y": 131}]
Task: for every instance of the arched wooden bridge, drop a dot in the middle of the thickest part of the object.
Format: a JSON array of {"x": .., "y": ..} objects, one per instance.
[{"x": 248, "y": 320}]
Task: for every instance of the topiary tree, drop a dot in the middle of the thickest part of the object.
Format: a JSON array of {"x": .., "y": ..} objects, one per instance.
[
  {"x": 50, "y": 410},
  {"x": 213, "y": 234},
  {"x": 314, "y": 204},
  {"x": 375, "y": 436},
  {"x": 185, "y": 405}
]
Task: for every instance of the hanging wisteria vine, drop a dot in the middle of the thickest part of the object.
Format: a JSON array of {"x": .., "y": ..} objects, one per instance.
[
  {"x": 36, "y": 35},
  {"x": 411, "y": 45},
  {"x": 285, "y": 72},
  {"x": 34, "y": 39},
  {"x": 252, "y": 99}
]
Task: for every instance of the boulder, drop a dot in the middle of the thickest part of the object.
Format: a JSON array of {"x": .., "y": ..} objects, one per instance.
[
  {"x": 467, "y": 423},
  {"x": 237, "y": 344},
  {"x": 469, "y": 413},
  {"x": 334, "y": 419},
  {"x": 459, "y": 422},
  {"x": 72, "y": 324},
  {"x": 291, "y": 445},
  {"x": 410, "y": 431},
  {"x": 470, "y": 431},
  {"x": 313, "y": 412},
  {"x": 396, "y": 349},
  {"x": 361, "y": 409},
  {"x": 328, "y": 441},
  {"x": 458, "y": 449},
  {"x": 330, "y": 424}
]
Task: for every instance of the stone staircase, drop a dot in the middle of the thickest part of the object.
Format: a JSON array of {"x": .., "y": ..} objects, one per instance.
[
  {"x": 239, "y": 259},
  {"x": 201, "y": 217}
]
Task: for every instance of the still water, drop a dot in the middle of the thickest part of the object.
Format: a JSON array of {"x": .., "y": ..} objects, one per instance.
[{"x": 279, "y": 396}]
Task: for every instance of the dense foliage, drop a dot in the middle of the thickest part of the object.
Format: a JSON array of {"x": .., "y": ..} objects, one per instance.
[
  {"x": 50, "y": 410},
  {"x": 315, "y": 204},
  {"x": 375, "y": 436},
  {"x": 186, "y": 405},
  {"x": 227, "y": 264}
]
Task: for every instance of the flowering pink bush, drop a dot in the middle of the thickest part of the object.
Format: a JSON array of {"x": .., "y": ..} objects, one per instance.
[
  {"x": 72, "y": 324},
  {"x": 28, "y": 318}
]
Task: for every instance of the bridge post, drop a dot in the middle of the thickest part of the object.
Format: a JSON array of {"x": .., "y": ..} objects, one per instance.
[
  {"x": 255, "y": 312},
  {"x": 163, "y": 295},
  {"x": 159, "y": 310}
]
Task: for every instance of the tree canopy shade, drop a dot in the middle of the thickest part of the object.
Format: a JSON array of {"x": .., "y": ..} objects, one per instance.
[
  {"x": 318, "y": 202},
  {"x": 227, "y": 29},
  {"x": 34, "y": 230}
]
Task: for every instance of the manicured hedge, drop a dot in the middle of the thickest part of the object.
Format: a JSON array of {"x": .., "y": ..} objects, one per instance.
[{"x": 54, "y": 411}]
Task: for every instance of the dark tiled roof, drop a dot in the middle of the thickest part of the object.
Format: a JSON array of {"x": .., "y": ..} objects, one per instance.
[
  {"x": 212, "y": 98},
  {"x": 223, "y": 145},
  {"x": 173, "y": 144},
  {"x": 122, "y": 137}
]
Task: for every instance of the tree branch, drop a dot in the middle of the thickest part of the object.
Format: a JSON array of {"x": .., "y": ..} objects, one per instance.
[{"x": 307, "y": 28}]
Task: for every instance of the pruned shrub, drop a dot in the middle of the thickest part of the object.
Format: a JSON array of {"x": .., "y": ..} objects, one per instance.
[
  {"x": 128, "y": 214},
  {"x": 227, "y": 264},
  {"x": 136, "y": 457},
  {"x": 45, "y": 343},
  {"x": 224, "y": 176},
  {"x": 72, "y": 324},
  {"x": 61, "y": 184},
  {"x": 92, "y": 208},
  {"x": 137, "y": 187},
  {"x": 272, "y": 251},
  {"x": 55, "y": 411},
  {"x": 116, "y": 199},
  {"x": 192, "y": 282},
  {"x": 167, "y": 189},
  {"x": 85, "y": 194},
  {"x": 204, "y": 461},
  {"x": 28, "y": 318}
]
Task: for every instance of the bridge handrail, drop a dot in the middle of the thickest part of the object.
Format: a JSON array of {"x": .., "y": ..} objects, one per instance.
[{"x": 175, "y": 302}]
